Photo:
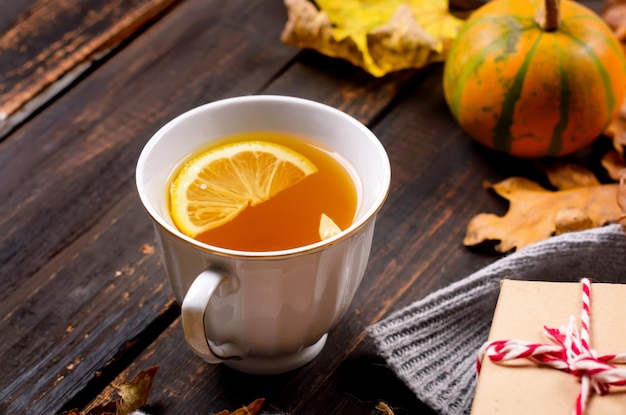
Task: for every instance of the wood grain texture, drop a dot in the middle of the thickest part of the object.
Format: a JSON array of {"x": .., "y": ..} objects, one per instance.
[
  {"x": 13, "y": 11},
  {"x": 50, "y": 44}
]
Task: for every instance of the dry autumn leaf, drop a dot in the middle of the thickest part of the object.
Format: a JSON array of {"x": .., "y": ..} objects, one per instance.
[
  {"x": 536, "y": 213},
  {"x": 380, "y": 37},
  {"x": 613, "y": 162},
  {"x": 568, "y": 175},
  {"x": 621, "y": 200},
  {"x": 133, "y": 395},
  {"x": 251, "y": 409},
  {"x": 384, "y": 408},
  {"x": 616, "y": 130},
  {"x": 614, "y": 14}
]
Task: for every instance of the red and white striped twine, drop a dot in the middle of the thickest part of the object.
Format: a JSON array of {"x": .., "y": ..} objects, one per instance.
[{"x": 572, "y": 354}]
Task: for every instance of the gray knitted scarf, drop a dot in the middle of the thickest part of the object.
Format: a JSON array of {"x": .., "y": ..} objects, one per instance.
[{"x": 432, "y": 344}]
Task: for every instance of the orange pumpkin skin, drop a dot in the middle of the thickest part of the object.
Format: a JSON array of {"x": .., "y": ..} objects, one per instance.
[{"x": 520, "y": 89}]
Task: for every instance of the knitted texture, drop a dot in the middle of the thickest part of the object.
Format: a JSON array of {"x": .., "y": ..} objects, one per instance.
[{"x": 432, "y": 344}]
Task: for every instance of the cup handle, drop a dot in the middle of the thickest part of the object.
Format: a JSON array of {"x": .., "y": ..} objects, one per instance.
[{"x": 194, "y": 309}]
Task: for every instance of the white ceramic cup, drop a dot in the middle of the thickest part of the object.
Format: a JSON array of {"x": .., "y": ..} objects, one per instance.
[{"x": 263, "y": 312}]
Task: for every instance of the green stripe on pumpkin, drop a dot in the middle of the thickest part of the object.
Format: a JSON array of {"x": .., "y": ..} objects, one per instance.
[
  {"x": 612, "y": 42},
  {"x": 556, "y": 141},
  {"x": 478, "y": 58},
  {"x": 606, "y": 79},
  {"x": 502, "y": 137}
]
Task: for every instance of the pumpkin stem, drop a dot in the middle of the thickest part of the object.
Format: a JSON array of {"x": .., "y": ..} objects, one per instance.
[{"x": 552, "y": 16}]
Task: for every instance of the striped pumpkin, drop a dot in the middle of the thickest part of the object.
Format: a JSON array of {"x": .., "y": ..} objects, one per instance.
[{"x": 535, "y": 88}]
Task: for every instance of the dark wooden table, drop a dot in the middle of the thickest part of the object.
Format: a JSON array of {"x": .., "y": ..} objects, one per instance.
[{"x": 84, "y": 301}]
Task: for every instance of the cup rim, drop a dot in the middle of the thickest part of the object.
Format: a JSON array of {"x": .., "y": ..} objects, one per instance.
[{"x": 226, "y": 252}]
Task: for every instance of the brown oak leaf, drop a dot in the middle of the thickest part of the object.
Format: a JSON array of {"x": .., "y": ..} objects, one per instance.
[
  {"x": 252, "y": 409},
  {"x": 384, "y": 408},
  {"x": 621, "y": 200},
  {"x": 133, "y": 395},
  {"x": 536, "y": 213},
  {"x": 614, "y": 14},
  {"x": 568, "y": 175},
  {"x": 616, "y": 130},
  {"x": 614, "y": 164}
]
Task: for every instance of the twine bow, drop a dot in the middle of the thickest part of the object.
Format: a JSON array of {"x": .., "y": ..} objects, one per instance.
[{"x": 571, "y": 353}]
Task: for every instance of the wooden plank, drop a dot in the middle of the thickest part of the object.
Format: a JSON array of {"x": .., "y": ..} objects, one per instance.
[
  {"x": 51, "y": 44},
  {"x": 13, "y": 11},
  {"x": 68, "y": 330},
  {"x": 339, "y": 84},
  {"x": 186, "y": 383}
]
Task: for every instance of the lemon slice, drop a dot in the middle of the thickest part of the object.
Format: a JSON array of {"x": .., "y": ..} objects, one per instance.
[
  {"x": 213, "y": 187},
  {"x": 328, "y": 228}
]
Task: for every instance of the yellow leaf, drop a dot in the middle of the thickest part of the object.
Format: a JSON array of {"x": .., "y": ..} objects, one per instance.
[
  {"x": 534, "y": 213},
  {"x": 379, "y": 36}
]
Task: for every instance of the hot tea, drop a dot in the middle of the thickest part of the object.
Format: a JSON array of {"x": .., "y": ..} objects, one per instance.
[{"x": 290, "y": 218}]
